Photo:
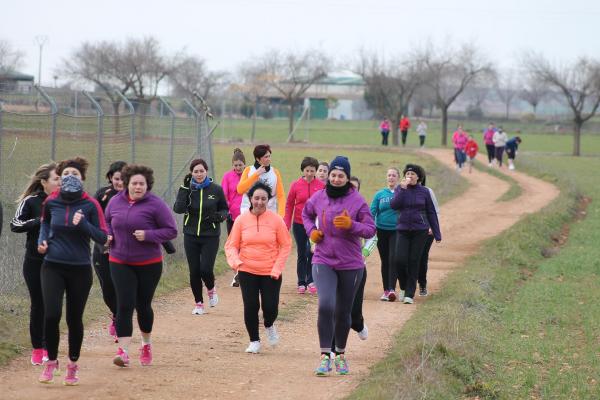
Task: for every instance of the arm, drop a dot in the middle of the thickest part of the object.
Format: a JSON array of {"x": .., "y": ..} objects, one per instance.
[
  {"x": 232, "y": 246},
  {"x": 166, "y": 226},
  {"x": 398, "y": 199},
  {"x": 95, "y": 224},
  {"x": 309, "y": 216},
  {"x": 181, "y": 202},
  {"x": 375, "y": 205},
  {"x": 246, "y": 181},
  {"x": 289, "y": 206},
  {"x": 23, "y": 220},
  {"x": 45, "y": 220},
  {"x": 284, "y": 241},
  {"x": 432, "y": 217},
  {"x": 222, "y": 207},
  {"x": 280, "y": 195},
  {"x": 364, "y": 226}
]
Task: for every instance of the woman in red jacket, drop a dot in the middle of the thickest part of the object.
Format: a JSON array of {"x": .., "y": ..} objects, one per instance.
[
  {"x": 404, "y": 126},
  {"x": 471, "y": 149}
]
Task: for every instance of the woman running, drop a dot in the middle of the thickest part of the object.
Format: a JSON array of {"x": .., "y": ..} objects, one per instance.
[
  {"x": 500, "y": 139},
  {"x": 138, "y": 222},
  {"x": 422, "y": 132},
  {"x": 70, "y": 218},
  {"x": 459, "y": 139},
  {"x": 204, "y": 205},
  {"x": 416, "y": 215},
  {"x": 323, "y": 171},
  {"x": 384, "y": 128},
  {"x": 257, "y": 249},
  {"x": 27, "y": 220},
  {"x": 100, "y": 254},
  {"x": 488, "y": 140},
  {"x": 424, "y": 265},
  {"x": 263, "y": 171},
  {"x": 234, "y": 199},
  {"x": 343, "y": 218},
  {"x": 385, "y": 221},
  {"x": 300, "y": 191}
]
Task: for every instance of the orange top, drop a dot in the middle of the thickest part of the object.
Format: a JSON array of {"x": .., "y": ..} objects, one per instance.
[
  {"x": 246, "y": 183},
  {"x": 259, "y": 244}
]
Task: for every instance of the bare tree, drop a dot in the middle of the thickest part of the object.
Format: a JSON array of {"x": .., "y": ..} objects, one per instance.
[
  {"x": 292, "y": 73},
  {"x": 389, "y": 86},
  {"x": 253, "y": 83},
  {"x": 10, "y": 59},
  {"x": 533, "y": 92},
  {"x": 579, "y": 83},
  {"x": 449, "y": 72},
  {"x": 190, "y": 75},
  {"x": 506, "y": 89}
]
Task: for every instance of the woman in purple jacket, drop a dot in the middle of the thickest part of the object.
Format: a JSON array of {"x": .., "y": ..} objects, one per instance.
[
  {"x": 416, "y": 215},
  {"x": 343, "y": 218},
  {"x": 138, "y": 222}
]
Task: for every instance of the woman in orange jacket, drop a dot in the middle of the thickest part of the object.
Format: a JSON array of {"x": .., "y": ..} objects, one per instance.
[{"x": 257, "y": 248}]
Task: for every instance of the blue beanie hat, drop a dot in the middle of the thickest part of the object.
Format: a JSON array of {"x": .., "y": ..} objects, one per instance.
[{"x": 340, "y": 163}]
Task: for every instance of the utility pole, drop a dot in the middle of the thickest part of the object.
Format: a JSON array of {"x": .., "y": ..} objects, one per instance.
[{"x": 41, "y": 40}]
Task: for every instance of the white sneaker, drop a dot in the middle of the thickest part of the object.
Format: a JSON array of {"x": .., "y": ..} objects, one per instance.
[
  {"x": 364, "y": 334},
  {"x": 511, "y": 167},
  {"x": 253, "y": 347},
  {"x": 408, "y": 300},
  {"x": 400, "y": 295},
  {"x": 272, "y": 335},
  {"x": 213, "y": 297},
  {"x": 199, "y": 309}
]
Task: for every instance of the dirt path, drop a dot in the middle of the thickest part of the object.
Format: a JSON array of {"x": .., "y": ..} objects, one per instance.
[{"x": 201, "y": 357}]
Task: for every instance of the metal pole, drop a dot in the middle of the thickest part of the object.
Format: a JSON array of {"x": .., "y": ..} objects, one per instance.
[
  {"x": 54, "y": 114},
  {"x": 171, "y": 146},
  {"x": 100, "y": 114},
  {"x": 41, "y": 41},
  {"x": 132, "y": 113},
  {"x": 197, "y": 117},
  {"x": 1, "y": 134}
]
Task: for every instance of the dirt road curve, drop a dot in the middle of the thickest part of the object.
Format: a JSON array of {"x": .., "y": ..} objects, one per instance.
[{"x": 201, "y": 357}]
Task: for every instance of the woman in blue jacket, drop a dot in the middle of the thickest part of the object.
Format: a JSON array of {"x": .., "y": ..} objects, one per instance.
[{"x": 416, "y": 216}]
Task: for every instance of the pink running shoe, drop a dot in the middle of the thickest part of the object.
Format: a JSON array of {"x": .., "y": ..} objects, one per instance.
[
  {"x": 50, "y": 369},
  {"x": 121, "y": 359},
  {"x": 301, "y": 289},
  {"x": 45, "y": 356},
  {"x": 312, "y": 288},
  {"x": 37, "y": 356},
  {"x": 71, "y": 378},
  {"x": 146, "y": 355}
]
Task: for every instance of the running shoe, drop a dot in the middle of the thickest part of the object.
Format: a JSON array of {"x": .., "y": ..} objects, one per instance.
[
  {"x": 364, "y": 334},
  {"x": 71, "y": 378},
  {"x": 199, "y": 309},
  {"x": 272, "y": 335},
  {"x": 253, "y": 347},
  {"x": 146, "y": 355},
  {"x": 324, "y": 367},
  {"x": 121, "y": 359},
  {"x": 236, "y": 281},
  {"x": 392, "y": 296},
  {"x": 341, "y": 365},
  {"x": 213, "y": 297},
  {"x": 50, "y": 370},
  {"x": 312, "y": 288},
  {"x": 301, "y": 289},
  {"x": 385, "y": 296},
  {"x": 37, "y": 356},
  {"x": 408, "y": 300},
  {"x": 423, "y": 292},
  {"x": 45, "y": 356}
]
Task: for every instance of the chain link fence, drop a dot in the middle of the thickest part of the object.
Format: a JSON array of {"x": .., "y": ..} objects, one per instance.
[{"x": 42, "y": 125}]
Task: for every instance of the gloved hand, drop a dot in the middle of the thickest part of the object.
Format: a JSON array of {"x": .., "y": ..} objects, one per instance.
[
  {"x": 215, "y": 218},
  {"x": 187, "y": 180},
  {"x": 316, "y": 236},
  {"x": 343, "y": 221}
]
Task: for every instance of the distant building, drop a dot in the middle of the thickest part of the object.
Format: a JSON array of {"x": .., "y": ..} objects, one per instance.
[{"x": 14, "y": 81}]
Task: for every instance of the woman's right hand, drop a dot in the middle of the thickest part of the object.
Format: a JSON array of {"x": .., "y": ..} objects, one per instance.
[
  {"x": 404, "y": 183},
  {"x": 186, "y": 180},
  {"x": 261, "y": 170},
  {"x": 316, "y": 235},
  {"x": 42, "y": 248}
]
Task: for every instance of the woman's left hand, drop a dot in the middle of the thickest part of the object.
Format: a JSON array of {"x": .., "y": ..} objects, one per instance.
[
  {"x": 140, "y": 235},
  {"x": 343, "y": 221},
  {"x": 77, "y": 217}
]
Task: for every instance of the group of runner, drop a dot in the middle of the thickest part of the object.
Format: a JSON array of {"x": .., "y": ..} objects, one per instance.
[{"x": 333, "y": 226}]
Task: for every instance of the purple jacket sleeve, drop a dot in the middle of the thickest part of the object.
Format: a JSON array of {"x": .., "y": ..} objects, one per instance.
[
  {"x": 432, "y": 217},
  {"x": 397, "y": 200},
  {"x": 167, "y": 228},
  {"x": 309, "y": 216},
  {"x": 364, "y": 226}
]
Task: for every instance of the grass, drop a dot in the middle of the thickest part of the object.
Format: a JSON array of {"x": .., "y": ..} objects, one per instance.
[
  {"x": 514, "y": 190},
  {"x": 511, "y": 323}
]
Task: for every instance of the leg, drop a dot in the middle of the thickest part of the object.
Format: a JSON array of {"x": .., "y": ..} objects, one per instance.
[
  {"x": 229, "y": 225},
  {"x": 424, "y": 265},
  {"x": 148, "y": 277},
  {"x": 401, "y": 248},
  {"x": 208, "y": 255},
  {"x": 416, "y": 243},
  {"x": 250, "y": 287},
  {"x": 102, "y": 268},
  {"x": 269, "y": 298},
  {"x": 383, "y": 246},
  {"x": 404, "y": 135},
  {"x": 326, "y": 280},
  {"x": 192, "y": 253},
  {"x": 53, "y": 290},
  {"x": 126, "y": 287},
  {"x": 302, "y": 260},
  {"x": 79, "y": 282},
  {"x": 348, "y": 283},
  {"x": 490, "y": 152},
  {"x": 421, "y": 140},
  {"x": 32, "y": 274},
  {"x": 358, "y": 321}
]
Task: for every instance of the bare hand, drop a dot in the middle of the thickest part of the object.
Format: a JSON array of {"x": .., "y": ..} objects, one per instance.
[
  {"x": 404, "y": 183},
  {"x": 261, "y": 170},
  {"x": 42, "y": 248},
  {"x": 429, "y": 232},
  {"x": 77, "y": 217},
  {"x": 140, "y": 235}
]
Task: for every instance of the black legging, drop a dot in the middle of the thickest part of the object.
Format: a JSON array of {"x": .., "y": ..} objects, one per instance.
[
  {"x": 421, "y": 140},
  {"x": 384, "y": 137},
  {"x": 304, "y": 261},
  {"x": 491, "y": 152},
  {"x": 201, "y": 253},
  {"x": 32, "y": 274},
  {"x": 404, "y": 135},
  {"x": 102, "y": 268},
  {"x": 76, "y": 281},
  {"x": 499, "y": 154},
  {"x": 358, "y": 320},
  {"x": 425, "y": 262},
  {"x": 135, "y": 286},
  {"x": 255, "y": 286},
  {"x": 384, "y": 246},
  {"x": 408, "y": 252}
]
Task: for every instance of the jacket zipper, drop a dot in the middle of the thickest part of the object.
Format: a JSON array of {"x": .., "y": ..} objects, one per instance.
[
  {"x": 200, "y": 211},
  {"x": 67, "y": 216}
]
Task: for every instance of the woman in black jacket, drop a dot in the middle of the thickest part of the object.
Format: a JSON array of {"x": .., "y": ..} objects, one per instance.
[
  {"x": 204, "y": 207},
  {"x": 27, "y": 220}
]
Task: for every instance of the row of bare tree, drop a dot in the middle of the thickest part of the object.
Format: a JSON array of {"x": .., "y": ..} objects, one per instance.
[{"x": 429, "y": 76}]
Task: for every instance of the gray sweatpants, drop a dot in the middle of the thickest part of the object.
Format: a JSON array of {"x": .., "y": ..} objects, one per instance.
[{"x": 336, "y": 289}]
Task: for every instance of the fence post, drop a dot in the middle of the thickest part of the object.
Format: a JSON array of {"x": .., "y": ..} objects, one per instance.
[
  {"x": 198, "y": 130},
  {"x": 1, "y": 134},
  {"x": 54, "y": 114},
  {"x": 132, "y": 114},
  {"x": 100, "y": 114},
  {"x": 171, "y": 146}
]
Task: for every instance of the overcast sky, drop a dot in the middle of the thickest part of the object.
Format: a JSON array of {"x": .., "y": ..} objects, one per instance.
[{"x": 226, "y": 32}]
